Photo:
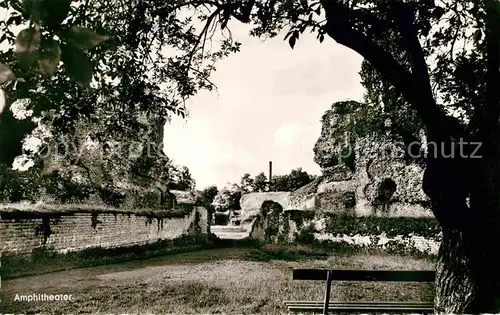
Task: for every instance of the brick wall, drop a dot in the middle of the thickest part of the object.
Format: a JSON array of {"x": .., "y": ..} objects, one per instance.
[{"x": 64, "y": 231}]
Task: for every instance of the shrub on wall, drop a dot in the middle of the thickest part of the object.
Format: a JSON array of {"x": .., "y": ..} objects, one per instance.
[
  {"x": 179, "y": 212},
  {"x": 111, "y": 196},
  {"x": 16, "y": 186},
  {"x": 10, "y": 186},
  {"x": 401, "y": 235},
  {"x": 349, "y": 225},
  {"x": 31, "y": 185},
  {"x": 64, "y": 189},
  {"x": 145, "y": 199},
  {"x": 299, "y": 216}
]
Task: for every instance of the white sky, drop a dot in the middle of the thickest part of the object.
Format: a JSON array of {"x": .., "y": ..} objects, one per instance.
[{"x": 268, "y": 106}]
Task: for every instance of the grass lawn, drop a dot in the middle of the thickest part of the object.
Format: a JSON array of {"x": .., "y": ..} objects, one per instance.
[{"x": 226, "y": 280}]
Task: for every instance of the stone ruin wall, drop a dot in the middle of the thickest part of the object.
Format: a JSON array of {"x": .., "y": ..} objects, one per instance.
[
  {"x": 379, "y": 182},
  {"x": 23, "y": 229}
]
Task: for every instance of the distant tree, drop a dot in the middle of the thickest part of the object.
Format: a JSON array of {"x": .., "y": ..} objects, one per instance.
[
  {"x": 246, "y": 183},
  {"x": 183, "y": 180},
  {"x": 260, "y": 182},
  {"x": 296, "y": 179},
  {"x": 280, "y": 183},
  {"x": 221, "y": 201},
  {"x": 208, "y": 194},
  {"x": 206, "y": 198},
  {"x": 228, "y": 198},
  {"x": 186, "y": 179}
]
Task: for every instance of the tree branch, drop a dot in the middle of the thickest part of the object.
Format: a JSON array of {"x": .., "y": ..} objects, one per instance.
[
  {"x": 244, "y": 15},
  {"x": 418, "y": 93},
  {"x": 486, "y": 117},
  {"x": 169, "y": 9},
  {"x": 404, "y": 16}
]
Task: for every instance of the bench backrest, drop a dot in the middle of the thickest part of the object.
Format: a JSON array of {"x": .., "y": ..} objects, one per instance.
[
  {"x": 360, "y": 275},
  {"x": 364, "y": 275}
]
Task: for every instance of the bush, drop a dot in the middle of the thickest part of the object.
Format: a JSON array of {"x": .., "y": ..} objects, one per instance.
[
  {"x": 305, "y": 236},
  {"x": 10, "y": 186},
  {"x": 181, "y": 211},
  {"x": 18, "y": 186},
  {"x": 111, "y": 196},
  {"x": 299, "y": 216},
  {"x": 64, "y": 189},
  {"x": 146, "y": 199},
  {"x": 349, "y": 225}
]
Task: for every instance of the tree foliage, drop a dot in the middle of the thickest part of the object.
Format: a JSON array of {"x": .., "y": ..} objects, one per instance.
[
  {"x": 157, "y": 83},
  {"x": 208, "y": 194},
  {"x": 116, "y": 70},
  {"x": 228, "y": 199},
  {"x": 246, "y": 183},
  {"x": 289, "y": 182},
  {"x": 260, "y": 183},
  {"x": 134, "y": 77},
  {"x": 294, "y": 180},
  {"x": 182, "y": 179},
  {"x": 146, "y": 33}
]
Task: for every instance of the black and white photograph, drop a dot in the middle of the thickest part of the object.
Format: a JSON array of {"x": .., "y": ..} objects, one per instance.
[{"x": 249, "y": 157}]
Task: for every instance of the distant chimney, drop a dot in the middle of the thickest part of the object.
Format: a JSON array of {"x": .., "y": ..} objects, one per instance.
[{"x": 270, "y": 174}]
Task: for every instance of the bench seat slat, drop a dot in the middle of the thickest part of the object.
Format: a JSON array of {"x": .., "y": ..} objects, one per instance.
[
  {"x": 362, "y": 302},
  {"x": 360, "y": 307},
  {"x": 423, "y": 304},
  {"x": 364, "y": 275},
  {"x": 362, "y": 310},
  {"x": 318, "y": 306},
  {"x": 363, "y": 306}
]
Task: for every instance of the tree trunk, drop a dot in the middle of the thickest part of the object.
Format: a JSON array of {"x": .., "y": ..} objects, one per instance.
[
  {"x": 468, "y": 266},
  {"x": 454, "y": 286},
  {"x": 467, "y": 274}
]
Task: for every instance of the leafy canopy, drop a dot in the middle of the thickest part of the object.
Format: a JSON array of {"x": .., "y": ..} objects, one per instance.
[
  {"x": 294, "y": 180},
  {"x": 115, "y": 66},
  {"x": 424, "y": 53}
]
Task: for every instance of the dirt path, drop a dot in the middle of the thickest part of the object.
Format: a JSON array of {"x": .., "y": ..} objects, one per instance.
[{"x": 212, "y": 281}]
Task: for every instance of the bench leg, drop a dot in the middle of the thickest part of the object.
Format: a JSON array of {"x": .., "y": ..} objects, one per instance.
[{"x": 327, "y": 293}]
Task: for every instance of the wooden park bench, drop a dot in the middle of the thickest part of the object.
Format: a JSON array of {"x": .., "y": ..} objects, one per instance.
[{"x": 329, "y": 275}]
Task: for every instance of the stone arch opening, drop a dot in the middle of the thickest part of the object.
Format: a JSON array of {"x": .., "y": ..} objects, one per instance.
[{"x": 385, "y": 191}]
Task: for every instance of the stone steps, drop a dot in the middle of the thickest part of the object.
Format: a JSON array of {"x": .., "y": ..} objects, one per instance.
[{"x": 229, "y": 232}]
